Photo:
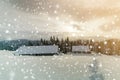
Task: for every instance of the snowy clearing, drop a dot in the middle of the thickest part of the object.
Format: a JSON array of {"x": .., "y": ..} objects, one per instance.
[{"x": 66, "y": 67}]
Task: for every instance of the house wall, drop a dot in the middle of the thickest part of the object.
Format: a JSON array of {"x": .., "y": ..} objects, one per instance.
[{"x": 80, "y": 49}]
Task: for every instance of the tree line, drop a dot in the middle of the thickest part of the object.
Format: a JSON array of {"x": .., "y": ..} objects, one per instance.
[{"x": 110, "y": 46}]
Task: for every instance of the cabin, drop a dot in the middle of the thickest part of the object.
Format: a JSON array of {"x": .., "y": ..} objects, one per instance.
[
  {"x": 81, "y": 49},
  {"x": 37, "y": 50}
]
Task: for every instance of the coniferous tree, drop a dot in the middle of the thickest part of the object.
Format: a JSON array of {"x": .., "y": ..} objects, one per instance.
[
  {"x": 57, "y": 41},
  {"x": 30, "y": 43},
  {"x": 61, "y": 45},
  {"x": 41, "y": 41}
]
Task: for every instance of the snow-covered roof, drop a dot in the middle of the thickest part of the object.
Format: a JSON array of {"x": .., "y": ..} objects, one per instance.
[
  {"x": 81, "y": 48},
  {"x": 51, "y": 49}
]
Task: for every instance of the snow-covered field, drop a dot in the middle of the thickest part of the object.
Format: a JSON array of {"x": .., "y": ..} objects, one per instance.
[{"x": 65, "y": 67}]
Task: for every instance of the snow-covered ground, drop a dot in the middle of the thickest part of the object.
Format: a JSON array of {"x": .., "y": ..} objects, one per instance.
[{"x": 65, "y": 67}]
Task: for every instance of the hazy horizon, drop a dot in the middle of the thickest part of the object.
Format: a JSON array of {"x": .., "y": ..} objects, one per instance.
[{"x": 61, "y": 35}]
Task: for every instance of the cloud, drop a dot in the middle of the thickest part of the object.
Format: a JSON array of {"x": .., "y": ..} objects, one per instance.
[
  {"x": 17, "y": 24},
  {"x": 111, "y": 25}
]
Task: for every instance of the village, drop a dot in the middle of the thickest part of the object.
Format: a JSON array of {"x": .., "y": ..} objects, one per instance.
[{"x": 56, "y": 46}]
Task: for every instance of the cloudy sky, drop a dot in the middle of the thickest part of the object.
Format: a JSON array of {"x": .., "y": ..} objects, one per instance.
[{"x": 33, "y": 19}]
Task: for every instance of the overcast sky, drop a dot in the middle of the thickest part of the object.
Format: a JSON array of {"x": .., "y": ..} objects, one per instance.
[{"x": 32, "y": 18}]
